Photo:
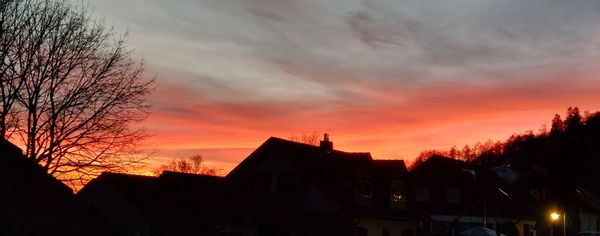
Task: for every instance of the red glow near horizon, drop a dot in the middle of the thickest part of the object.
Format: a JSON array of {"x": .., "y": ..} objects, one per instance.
[{"x": 225, "y": 134}]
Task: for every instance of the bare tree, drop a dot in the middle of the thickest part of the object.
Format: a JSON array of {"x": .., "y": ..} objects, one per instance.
[
  {"x": 424, "y": 155},
  {"x": 193, "y": 165},
  {"x": 70, "y": 89},
  {"x": 312, "y": 139}
]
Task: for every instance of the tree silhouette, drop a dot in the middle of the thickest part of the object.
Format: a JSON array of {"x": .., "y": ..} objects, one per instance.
[
  {"x": 192, "y": 165},
  {"x": 312, "y": 139},
  {"x": 557, "y": 125},
  {"x": 569, "y": 151},
  {"x": 573, "y": 120},
  {"x": 70, "y": 89}
]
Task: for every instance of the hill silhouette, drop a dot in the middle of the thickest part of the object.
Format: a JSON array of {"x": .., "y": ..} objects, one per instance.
[{"x": 569, "y": 151}]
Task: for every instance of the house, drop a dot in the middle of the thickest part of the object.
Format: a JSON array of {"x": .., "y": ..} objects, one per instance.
[
  {"x": 451, "y": 196},
  {"x": 540, "y": 189},
  {"x": 170, "y": 204},
  {"x": 34, "y": 203},
  {"x": 300, "y": 189},
  {"x": 282, "y": 188}
]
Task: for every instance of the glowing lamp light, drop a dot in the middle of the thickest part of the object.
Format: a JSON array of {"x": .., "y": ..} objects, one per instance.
[{"x": 554, "y": 216}]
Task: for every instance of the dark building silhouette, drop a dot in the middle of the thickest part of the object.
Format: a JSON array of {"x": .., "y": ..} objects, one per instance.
[
  {"x": 452, "y": 196},
  {"x": 545, "y": 194},
  {"x": 171, "y": 204},
  {"x": 282, "y": 188},
  {"x": 34, "y": 203},
  {"x": 290, "y": 188},
  {"x": 310, "y": 190}
]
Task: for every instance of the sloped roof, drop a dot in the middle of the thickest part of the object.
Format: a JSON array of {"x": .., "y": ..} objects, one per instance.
[
  {"x": 34, "y": 203},
  {"x": 387, "y": 167},
  {"x": 438, "y": 168},
  {"x": 310, "y": 159},
  {"x": 327, "y": 168}
]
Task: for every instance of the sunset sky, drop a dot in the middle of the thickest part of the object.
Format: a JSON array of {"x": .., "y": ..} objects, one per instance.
[{"x": 390, "y": 77}]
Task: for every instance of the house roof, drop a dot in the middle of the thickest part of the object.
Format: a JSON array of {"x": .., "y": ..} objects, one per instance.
[
  {"x": 442, "y": 169},
  {"x": 388, "y": 167},
  {"x": 310, "y": 159},
  {"x": 327, "y": 168},
  {"x": 34, "y": 203}
]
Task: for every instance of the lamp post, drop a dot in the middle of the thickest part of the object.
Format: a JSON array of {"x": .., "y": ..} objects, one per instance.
[
  {"x": 554, "y": 216},
  {"x": 564, "y": 223}
]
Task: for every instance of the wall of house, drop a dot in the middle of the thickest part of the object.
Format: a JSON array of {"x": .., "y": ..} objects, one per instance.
[
  {"x": 444, "y": 223},
  {"x": 589, "y": 222},
  {"x": 317, "y": 201},
  {"x": 116, "y": 210},
  {"x": 386, "y": 227},
  {"x": 526, "y": 228},
  {"x": 275, "y": 176}
]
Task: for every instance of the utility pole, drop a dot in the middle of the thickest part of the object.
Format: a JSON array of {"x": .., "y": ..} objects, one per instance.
[{"x": 564, "y": 222}]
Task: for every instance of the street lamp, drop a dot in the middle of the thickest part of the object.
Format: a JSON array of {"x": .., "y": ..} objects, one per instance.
[{"x": 554, "y": 217}]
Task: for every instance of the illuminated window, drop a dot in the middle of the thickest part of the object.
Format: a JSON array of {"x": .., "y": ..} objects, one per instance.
[{"x": 397, "y": 198}]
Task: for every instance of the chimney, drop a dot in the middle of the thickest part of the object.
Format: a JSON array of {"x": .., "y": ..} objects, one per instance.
[{"x": 326, "y": 145}]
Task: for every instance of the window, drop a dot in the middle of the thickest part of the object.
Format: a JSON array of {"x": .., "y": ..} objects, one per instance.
[
  {"x": 527, "y": 230},
  {"x": 361, "y": 231},
  {"x": 233, "y": 230},
  {"x": 407, "y": 232},
  {"x": 290, "y": 184},
  {"x": 538, "y": 194},
  {"x": 363, "y": 187},
  {"x": 453, "y": 194},
  {"x": 421, "y": 194},
  {"x": 385, "y": 232},
  {"x": 363, "y": 191},
  {"x": 460, "y": 226},
  {"x": 439, "y": 228},
  {"x": 397, "y": 198}
]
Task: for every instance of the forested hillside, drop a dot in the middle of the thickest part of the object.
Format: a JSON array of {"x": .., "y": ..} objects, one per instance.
[{"x": 570, "y": 150}]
